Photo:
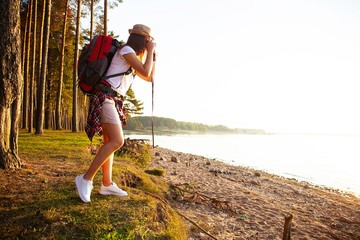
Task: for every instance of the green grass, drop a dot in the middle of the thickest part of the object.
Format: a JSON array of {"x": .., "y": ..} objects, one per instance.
[{"x": 40, "y": 201}]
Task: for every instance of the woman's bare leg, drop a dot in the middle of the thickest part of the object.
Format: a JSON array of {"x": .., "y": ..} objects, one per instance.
[
  {"x": 107, "y": 170},
  {"x": 113, "y": 135},
  {"x": 107, "y": 167}
]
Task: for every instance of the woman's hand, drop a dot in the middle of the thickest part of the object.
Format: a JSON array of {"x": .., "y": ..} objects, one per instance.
[{"x": 150, "y": 46}]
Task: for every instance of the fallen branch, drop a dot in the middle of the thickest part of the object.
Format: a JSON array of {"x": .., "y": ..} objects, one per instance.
[
  {"x": 188, "y": 192},
  {"x": 157, "y": 197},
  {"x": 197, "y": 225}
]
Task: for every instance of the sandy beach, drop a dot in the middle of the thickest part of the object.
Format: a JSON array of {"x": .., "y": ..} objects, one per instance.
[{"x": 220, "y": 201}]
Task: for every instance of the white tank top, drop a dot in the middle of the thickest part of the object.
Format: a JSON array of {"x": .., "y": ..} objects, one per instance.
[{"x": 120, "y": 84}]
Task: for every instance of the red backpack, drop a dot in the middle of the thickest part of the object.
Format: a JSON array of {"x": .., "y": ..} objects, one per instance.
[{"x": 94, "y": 61}]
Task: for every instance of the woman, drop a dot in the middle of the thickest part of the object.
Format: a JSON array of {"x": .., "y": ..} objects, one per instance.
[{"x": 107, "y": 106}]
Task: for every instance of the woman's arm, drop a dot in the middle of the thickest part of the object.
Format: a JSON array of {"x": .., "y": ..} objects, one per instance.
[
  {"x": 149, "y": 78},
  {"x": 144, "y": 70}
]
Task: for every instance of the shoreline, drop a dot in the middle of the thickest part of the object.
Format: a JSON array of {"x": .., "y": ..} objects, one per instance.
[
  {"x": 288, "y": 176},
  {"x": 305, "y": 180},
  {"x": 234, "y": 202},
  {"x": 310, "y": 159}
]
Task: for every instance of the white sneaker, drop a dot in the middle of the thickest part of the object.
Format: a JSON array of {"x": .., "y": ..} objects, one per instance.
[
  {"x": 113, "y": 189},
  {"x": 84, "y": 188}
]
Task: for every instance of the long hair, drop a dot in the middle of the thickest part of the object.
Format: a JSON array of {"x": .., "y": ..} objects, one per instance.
[{"x": 138, "y": 43}]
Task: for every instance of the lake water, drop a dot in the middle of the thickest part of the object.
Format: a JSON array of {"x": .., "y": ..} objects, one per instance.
[{"x": 328, "y": 160}]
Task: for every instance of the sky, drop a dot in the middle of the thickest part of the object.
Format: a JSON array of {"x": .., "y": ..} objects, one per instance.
[{"x": 289, "y": 66}]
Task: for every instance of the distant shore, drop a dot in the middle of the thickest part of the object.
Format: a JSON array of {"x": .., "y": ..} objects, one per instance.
[
  {"x": 182, "y": 131},
  {"x": 231, "y": 202}
]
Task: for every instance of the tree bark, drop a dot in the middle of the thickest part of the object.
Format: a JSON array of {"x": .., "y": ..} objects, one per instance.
[
  {"x": 48, "y": 93},
  {"x": 41, "y": 37},
  {"x": 24, "y": 119},
  {"x": 41, "y": 88},
  {"x": 105, "y": 17},
  {"x": 32, "y": 74},
  {"x": 75, "y": 120},
  {"x": 91, "y": 19},
  {"x": 23, "y": 37},
  {"x": 11, "y": 83},
  {"x": 61, "y": 72},
  {"x": 27, "y": 66}
]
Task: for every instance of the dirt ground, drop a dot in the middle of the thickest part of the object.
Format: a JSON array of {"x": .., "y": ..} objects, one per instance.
[{"x": 221, "y": 201}]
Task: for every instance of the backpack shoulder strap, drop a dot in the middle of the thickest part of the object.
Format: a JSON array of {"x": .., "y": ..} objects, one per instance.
[{"x": 129, "y": 71}]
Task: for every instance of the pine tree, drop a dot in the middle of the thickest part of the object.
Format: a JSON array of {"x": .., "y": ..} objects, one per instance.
[{"x": 11, "y": 83}]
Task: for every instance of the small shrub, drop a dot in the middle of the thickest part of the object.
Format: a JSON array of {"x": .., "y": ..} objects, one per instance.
[
  {"x": 155, "y": 172},
  {"x": 136, "y": 151}
]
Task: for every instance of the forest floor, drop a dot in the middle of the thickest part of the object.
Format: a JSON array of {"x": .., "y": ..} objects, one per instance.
[{"x": 40, "y": 200}]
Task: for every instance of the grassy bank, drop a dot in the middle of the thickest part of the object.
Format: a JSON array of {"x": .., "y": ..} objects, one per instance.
[{"x": 40, "y": 201}]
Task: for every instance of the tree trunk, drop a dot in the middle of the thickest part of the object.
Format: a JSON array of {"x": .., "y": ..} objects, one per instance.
[
  {"x": 61, "y": 72},
  {"x": 105, "y": 17},
  {"x": 91, "y": 19},
  {"x": 41, "y": 87},
  {"x": 41, "y": 37},
  {"x": 32, "y": 74},
  {"x": 75, "y": 120},
  {"x": 27, "y": 66},
  {"x": 48, "y": 93},
  {"x": 11, "y": 83},
  {"x": 24, "y": 120}
]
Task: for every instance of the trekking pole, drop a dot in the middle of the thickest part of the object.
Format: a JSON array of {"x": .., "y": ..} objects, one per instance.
[
  {"x": 152, "y": 106},
  {"x": 152, "y": 111}
]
